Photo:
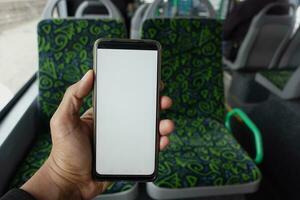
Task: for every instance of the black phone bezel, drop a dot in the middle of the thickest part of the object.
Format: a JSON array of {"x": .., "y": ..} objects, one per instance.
[{"x": 126, "y": 44}]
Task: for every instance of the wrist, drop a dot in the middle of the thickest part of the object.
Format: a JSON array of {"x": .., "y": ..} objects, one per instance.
[{"x": 46, "y": 183}]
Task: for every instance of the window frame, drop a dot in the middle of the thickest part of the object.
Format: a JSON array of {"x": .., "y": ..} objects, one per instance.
[{"x": 5, "y": 110}]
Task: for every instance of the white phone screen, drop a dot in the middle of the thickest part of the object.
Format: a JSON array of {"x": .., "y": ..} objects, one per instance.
[{"x": 126, "y": 111}]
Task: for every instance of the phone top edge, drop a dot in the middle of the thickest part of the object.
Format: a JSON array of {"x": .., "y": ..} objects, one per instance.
[{"x": 127, "y": 44}]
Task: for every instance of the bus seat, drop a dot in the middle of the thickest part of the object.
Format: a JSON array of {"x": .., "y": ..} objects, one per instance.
[
  {"x": 61, "y": 7},
  {"x": 266, "y": 38},
  {"x": 284, "y": 83},
  {"x": 172, "y": 9},
  {"x": 113, "y": 12},
  {"x": 244, "y": 92},
  {"x": 160, "y": 9},
  {"x": 290, "y": 57},
  {"x": 65, "y": 54},
  {"x": 203, "y": 158},
  {"x": 136, "y": 22}
]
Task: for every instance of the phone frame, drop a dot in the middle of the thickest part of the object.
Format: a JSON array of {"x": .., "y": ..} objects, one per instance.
[{"x": 126, "y": 44}]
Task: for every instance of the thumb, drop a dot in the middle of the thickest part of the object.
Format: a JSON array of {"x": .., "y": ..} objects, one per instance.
[{"x": 70, "y": 105}]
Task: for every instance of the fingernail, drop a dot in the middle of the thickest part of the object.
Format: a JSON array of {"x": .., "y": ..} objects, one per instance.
[{"x": 85, "y": 76}]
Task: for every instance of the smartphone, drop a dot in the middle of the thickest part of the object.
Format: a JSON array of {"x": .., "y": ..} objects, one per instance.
[{"x": 126, "y": 109}]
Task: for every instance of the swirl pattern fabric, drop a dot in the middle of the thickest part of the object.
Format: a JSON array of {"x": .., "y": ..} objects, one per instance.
[
  {"x": 65, "y": 54},
  {"x": 202, "y": 152},
  {"x": 38, "y": 155}
]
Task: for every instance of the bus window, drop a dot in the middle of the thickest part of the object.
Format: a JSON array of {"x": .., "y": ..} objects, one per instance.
[
  {"x": 18, "y": 45},
  {"x": 297, "y": 18}
]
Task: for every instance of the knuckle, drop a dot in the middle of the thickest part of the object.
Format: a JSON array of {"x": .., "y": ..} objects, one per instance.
[
  {"x": 55, "y": 120},
  {"x": 70, "y": 89}
]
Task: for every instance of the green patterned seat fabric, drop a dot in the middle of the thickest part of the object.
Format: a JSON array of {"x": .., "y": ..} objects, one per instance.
[
  {"x": 191, "y": 64},
  {"x": 279, "y": 78},
  {"x": 38, "y": 155},
  {"x": 202, "y": 152},
  {"x": 65, "y": 54},
  {"x": 34, "y": 160}
]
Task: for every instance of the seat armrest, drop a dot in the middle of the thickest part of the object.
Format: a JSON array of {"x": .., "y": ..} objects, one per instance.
[
  {"x": 228, "y": 63},
  {"x": 250, "y": 124}
]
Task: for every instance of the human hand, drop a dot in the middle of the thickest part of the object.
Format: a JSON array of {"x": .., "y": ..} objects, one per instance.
[{"x": 67, "y": 172}]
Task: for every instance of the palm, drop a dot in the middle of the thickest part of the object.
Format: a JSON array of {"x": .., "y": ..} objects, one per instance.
[{"x": 72, "y": 153}]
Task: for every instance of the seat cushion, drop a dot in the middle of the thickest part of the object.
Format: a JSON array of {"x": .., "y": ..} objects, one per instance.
[
  {"x": 278, "y": 78},
  {"x": 34, "y": 159},
  {"x": 38, "y": 155},
  {"x": 203, "y": 153}
]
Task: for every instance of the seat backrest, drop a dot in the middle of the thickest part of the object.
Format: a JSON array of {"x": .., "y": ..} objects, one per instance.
[
  {"x": 191, "y": 64},
  {"x": 65, "y": 54},
  {"x": 113, "y": 12},
  {"x": 291, "y": 54},
  {"x": 61, "y": 5},
  {"x": 267, "y": 36},
  {"x": 151, "y": 11}
]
